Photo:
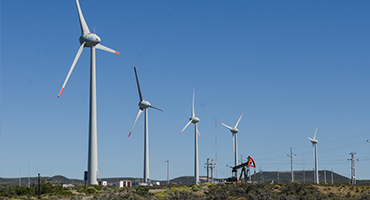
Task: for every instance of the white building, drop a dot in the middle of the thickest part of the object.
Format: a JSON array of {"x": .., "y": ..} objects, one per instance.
[{"x": 122, "y": 183}]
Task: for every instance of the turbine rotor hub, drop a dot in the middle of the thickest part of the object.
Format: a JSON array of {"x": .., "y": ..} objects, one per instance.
[
  {"x": 194, "y": 120},
  {"x": 144, "y": 104},
  {"x": 234, "y": 130},
  {"x": 91, "y": 39}
]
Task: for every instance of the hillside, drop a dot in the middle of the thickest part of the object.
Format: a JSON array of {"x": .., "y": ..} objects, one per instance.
[{"x": 299, "y": 176}]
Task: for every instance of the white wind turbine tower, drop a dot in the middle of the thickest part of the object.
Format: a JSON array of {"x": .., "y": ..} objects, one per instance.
[
  {"x": 193, "y": 119},
  {"x": 234, "y": 131},
  {"x": 314, "y": 145},
  {"x": 88, "y": 39},
  {"x": 143, "y": 105}
]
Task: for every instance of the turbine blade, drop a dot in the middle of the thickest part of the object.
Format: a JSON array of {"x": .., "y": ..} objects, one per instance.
[
  {"x": 72, "y": 67},
  {"x": 137, "y": 117},
  {"x": 192, "y": 108},
  {"x": 314, "y": 137},
  {"x": 84, "y": 27},
  {"x": 138, "y": 86},
  {"x": 236, "y": 125},
  {"x": 199, "y": 133},
  {"x": 156, "y": 108},
  {"x": 230, "y": 128},
  {"x": 185, "y": 126},
  {"x": 102, "y": 47}
]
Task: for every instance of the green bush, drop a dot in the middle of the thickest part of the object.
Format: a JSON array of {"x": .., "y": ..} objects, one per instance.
[
  {"x": 90, "y": 190},
  {"x": 298, "y": 189},
  {"x": 142, "y": 191},
  {"x": 245, "y": 190},
  {"x": 112, "y": 194},
  {"x": 217, "y": 192},
  {"x": 183, "y": 195}
]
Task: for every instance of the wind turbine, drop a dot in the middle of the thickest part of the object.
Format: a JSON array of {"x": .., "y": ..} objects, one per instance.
[
  {"x": 314, "y": 145},
  {"x": 193, "y": 119},
  {"x": 143, "y": 105},
  {"x": 91, "y": 40},
  {"x": 234, "y": 131}
]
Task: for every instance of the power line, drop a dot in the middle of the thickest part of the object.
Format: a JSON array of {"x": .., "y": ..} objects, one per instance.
[{"x": 351, "y": 136}]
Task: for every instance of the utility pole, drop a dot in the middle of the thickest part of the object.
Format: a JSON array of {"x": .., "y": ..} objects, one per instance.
[
  {"x": 278, "y": 182},
  {"x": 353, "y": 170},
  {"x": 324, "y": 176},
  {"x": 212, "y": 167},
  {"x": 207, "y": 169},
  {"x": 304, "y": 176},
  {"x": 168, "y": 171},
  {"x": 291, "y": 162}
]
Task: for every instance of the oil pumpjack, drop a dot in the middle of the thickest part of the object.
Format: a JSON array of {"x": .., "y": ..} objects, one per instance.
[{"x": 245, "y": 170}]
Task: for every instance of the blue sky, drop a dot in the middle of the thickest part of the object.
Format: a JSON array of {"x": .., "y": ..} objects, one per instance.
[{"x": 289, "y": 66}]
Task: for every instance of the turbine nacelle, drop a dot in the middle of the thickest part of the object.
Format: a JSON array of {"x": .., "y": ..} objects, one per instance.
[
  {"x": 234, "y": 130},
  {"x": 144, "y": 104},
  {"x": 90, "y": 39},
  {"x": 314, "y": 141},
  {"x": 194, "y": 120}
]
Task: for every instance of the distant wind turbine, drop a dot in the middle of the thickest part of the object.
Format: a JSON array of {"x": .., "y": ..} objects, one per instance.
[
  {"x": 314, "y": 145},
  {"x": 234, "y": 131},
  {"x": 88, "y": 39},
  {"x": 143, "y": 105},
  {"x": 193, "y": 119}
]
